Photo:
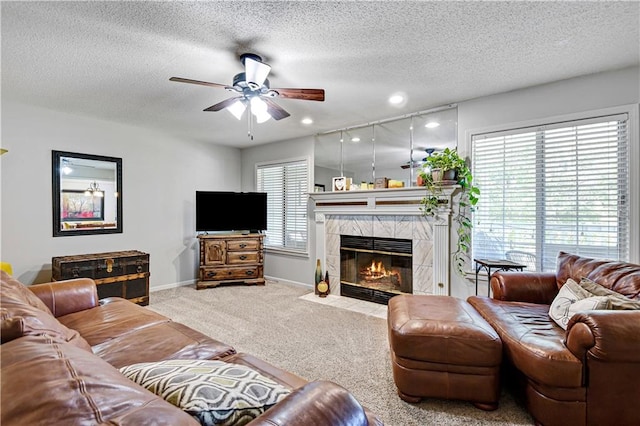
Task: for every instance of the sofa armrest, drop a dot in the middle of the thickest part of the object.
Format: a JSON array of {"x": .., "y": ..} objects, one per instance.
[
  {"x": 67, "y": 296},
  {"x": 609, "y": 336},
  {"x": 532, "y": 287},
  {"x": 316, "y": 403}
]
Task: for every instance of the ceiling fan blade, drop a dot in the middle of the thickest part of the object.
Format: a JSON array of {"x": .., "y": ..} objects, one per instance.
[
  {"x": 304, "y": 94},
  {"x": 222, "y": 105},
  {"x": 256, "y": 72},
  {"x": 275, "y": 110},
  {"x": 203, "y": 83}
]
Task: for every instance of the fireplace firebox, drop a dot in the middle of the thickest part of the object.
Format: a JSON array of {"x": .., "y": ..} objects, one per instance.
[{"x": 375, "y": 269}]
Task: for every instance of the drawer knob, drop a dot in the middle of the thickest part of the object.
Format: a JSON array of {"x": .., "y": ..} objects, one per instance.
[
  {"x": 75, "y": 272},
  {"x": 109, "y": 265},
  {"x": 211, "y": 274},
  {"x": 249, "y": 272},
  {"x": 243, "y": 245},
  {"x": 243, "y": 257}
]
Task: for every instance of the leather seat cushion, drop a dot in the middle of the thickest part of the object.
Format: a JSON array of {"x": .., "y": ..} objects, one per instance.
[
  {"x": 51, "y": 382},
  {"x": 113, "y": 318},
  {"x": 532, "y": 341},
  {"x": 441, "y": 329}
]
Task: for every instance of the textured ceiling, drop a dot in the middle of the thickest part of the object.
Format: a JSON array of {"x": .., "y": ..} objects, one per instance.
[{"x": 113, "y": 60}]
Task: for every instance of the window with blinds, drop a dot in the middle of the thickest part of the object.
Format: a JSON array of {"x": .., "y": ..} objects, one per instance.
[
  {"x": 286, "y": 185},
  {"x": 551, "y": 188}
]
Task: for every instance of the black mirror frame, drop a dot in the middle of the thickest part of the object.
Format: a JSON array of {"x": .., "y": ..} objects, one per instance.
[{"x": 55, "y": 168}]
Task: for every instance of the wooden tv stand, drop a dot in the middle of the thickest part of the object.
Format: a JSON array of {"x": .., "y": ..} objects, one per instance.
[{"x": 231, "y": 258}]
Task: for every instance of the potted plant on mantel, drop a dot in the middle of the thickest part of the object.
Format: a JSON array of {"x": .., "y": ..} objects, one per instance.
[{"x": 448, "y": 168}]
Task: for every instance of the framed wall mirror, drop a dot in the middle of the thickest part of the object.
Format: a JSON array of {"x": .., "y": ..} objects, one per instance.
[{"x": 87, "y": 194}]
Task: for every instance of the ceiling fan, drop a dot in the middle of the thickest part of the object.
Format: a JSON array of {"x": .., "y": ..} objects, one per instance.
[{"x": 254, "y": 92}]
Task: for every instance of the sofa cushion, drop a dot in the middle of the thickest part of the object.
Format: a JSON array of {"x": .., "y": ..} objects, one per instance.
[
  {"x": 214, "y": 392},
  {"x": 114, "y": 318},
  {"x": 531, "y": 340},
  {"x": 22, "y": 313},
  {"x": 169, "y": 340},
  {"x": 14, "y": 289},
  {"x": 44, "y": 381},
  {"x": 616, "y": 300},
  {"x": 621, "y": 277},
  {"x": 572, "y": 299}
]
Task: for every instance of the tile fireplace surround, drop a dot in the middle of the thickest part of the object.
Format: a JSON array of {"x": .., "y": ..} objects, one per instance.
[{"x": 388, "y": 213}]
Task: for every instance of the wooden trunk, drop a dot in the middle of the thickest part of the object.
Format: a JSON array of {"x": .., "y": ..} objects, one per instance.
[{"x": 117, "y": 274}]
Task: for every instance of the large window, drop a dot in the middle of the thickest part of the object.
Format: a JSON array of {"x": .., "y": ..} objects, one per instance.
[
  {"x": 286, "y": 185},
  {"x": 562, "y": 186}
]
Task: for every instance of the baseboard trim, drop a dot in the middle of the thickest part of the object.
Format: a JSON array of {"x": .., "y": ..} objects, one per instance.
[
  {"x": 193, "y": 282},
  {"x": 281, "y": 280},
  {"x": 171, "y": 285}
]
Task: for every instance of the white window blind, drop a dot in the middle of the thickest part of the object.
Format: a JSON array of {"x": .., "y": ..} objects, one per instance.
[
  {"x": 558, "y": 187},
  {"x": 286, "y": 185}
]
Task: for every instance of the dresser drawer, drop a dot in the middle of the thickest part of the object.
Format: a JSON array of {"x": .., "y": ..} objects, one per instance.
[
  {"x": 243, "y": 245},
  {"x": 230, "y": 273},
  {"x": 240, "y": 257}
]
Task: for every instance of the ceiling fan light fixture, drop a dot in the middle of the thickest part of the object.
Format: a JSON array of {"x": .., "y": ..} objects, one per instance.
[
  {"x": 432, "y": 125},
  {"x": 237, "y": 108},
  {"x": 259, "y": 108},
  {"x": 256, "y": 72}
]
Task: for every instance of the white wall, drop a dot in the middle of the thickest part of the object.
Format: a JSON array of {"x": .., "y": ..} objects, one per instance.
[
  {"x": 286, "y": 267},
  {"x": 160, "y": 177}
]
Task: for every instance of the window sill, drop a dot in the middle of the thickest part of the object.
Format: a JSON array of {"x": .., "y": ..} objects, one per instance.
[{"x": 285, "y": 252}]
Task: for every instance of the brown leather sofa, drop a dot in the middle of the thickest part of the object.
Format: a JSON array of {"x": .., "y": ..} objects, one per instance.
[
  {"x": 586, "y": 375},
  {"x": 61, "y": 352}
]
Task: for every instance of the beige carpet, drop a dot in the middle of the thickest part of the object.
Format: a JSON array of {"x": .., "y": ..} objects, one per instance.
[{"x": 317, "y": 341}]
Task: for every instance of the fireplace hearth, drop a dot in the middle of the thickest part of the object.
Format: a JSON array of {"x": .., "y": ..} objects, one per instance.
[{"x": 375, "y": 269}]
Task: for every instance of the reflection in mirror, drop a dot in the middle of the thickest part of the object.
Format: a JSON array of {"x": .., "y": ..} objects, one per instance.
[
  {"x": 393, "y": 149},
  {"x": 87, "y": 194}
]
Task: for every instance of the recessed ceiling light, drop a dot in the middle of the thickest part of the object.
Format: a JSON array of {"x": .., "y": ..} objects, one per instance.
[
  {"x": 355, "y": 139},
  {"x": 307, "y": 120},
  {"x": 432, "y": 125},
  {"x": 396, "y": 99}
]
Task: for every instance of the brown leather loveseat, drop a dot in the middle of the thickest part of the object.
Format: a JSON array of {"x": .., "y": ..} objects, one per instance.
[
  {"x": 586, "y": 375},
  {"x": 62, "y": 349}
]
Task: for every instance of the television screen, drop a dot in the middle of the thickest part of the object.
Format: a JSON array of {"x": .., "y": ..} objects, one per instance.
[{"x": 231, "y": 211}]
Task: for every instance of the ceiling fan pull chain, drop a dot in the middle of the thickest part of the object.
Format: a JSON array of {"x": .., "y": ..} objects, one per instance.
[{"x": 249, "y": 122}]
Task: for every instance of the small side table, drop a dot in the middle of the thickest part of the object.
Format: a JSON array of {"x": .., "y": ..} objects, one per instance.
[{"x": 496, "y": 265}]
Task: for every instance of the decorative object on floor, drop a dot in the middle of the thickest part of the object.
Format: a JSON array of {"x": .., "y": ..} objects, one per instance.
[
  {"x": 445, "y": 161},
  {"x": 318, "y": 276},
  {"x": 255, "y": 93},
  {"x": 214, "y": 392},
  {"x": 323, "y": 287}
]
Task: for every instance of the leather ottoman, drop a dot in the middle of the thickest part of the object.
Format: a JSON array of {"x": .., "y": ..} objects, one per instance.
[{"x": 442, "y": 348}]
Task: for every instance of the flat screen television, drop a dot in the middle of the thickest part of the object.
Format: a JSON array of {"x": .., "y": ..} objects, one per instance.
[{"x": 231, "y": 211}]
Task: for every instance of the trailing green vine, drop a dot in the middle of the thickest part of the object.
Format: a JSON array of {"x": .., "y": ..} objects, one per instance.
[{"x": 469, "y": 196}]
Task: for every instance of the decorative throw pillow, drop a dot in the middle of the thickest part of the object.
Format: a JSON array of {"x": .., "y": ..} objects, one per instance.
[
  {"x": 616, "y": 300},
  {"x": 572, "y": 299},
  {"x": 214, "y": 392}
]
